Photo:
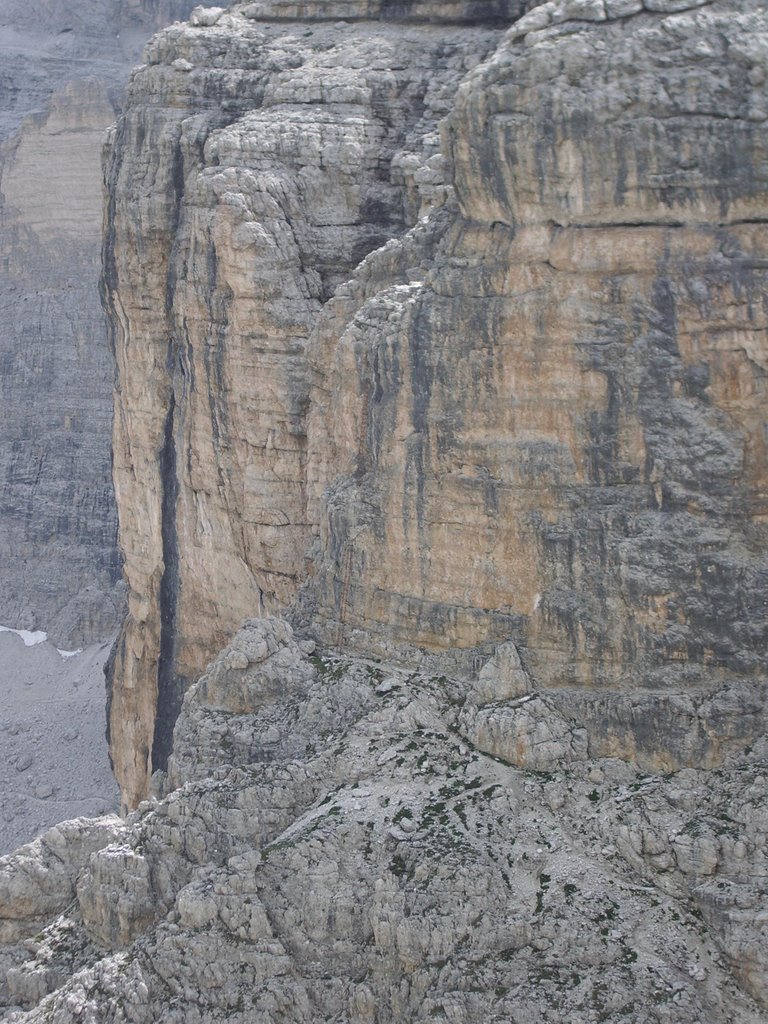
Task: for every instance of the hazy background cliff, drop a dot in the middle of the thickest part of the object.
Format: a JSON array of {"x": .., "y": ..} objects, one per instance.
[{"x": 63, "y": 69}]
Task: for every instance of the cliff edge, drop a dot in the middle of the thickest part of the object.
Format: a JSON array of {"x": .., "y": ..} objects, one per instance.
[{"x": 436, "y": 337}]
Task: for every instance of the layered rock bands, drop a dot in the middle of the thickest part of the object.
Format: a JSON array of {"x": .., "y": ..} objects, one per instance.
[
  {"x": 442, "y": 335},
  {"x": 441, "y": 331}
]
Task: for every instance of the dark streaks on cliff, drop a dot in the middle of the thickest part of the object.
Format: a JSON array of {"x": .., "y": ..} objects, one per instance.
[{"x": 170, "y": 688}]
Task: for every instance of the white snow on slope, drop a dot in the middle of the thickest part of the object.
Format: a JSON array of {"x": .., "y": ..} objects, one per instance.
[{"x": 32, "y": 639}]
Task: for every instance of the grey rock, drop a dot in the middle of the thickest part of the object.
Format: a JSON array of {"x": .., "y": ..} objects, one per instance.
[
  {"x": 66, "y": 771},
  {"x": 622, "y": 8},
  {"x": 37, "y": 882},
  {"x": 63, "y": 67},
  {"x": 205, "y": 17},
  {"x": 392, "y": 868},
  {"x": 114, "y": 923}
]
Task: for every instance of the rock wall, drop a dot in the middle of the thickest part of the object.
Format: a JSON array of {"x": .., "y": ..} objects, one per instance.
[
  {"x": 442, "y": 352},
  {"x": 253, "y": 170},
  {"x": 554, "y": 431},
  {"x": 452, "y": 342},
  {"x": 64, "y": 67}
]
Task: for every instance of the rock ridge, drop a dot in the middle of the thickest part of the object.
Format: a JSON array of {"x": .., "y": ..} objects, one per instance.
[
  {"x": 464, "y": 373},
  {"x": 329, "y": 843}
]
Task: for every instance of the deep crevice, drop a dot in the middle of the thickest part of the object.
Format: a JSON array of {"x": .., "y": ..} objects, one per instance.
[{"x": 170, "y": 688}]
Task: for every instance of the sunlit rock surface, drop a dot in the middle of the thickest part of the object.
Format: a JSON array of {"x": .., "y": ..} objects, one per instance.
[
  {"x": 254, "y": 168},
  {"x": 439, "y": 353}
]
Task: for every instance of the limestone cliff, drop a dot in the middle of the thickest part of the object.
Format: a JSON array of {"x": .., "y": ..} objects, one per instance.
[
  {"x": 555, "y": 432},
  {"x": 63, "y": 67},
  {"x": 450, "y": 340},
  {"x": 253, "y": 170},
  {"x": 534, "y": 417}
]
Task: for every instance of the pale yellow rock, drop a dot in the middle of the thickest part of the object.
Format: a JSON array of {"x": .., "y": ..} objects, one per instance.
[{"x": 535, "y": 418}]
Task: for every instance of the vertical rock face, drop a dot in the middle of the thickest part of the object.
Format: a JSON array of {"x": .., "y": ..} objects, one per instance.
[
  {"x": 536, "y": 417},
  {"x": 63, "y": 70},
  {"x": 557, "y": 433},
  {"x": 255, "y": 167}
]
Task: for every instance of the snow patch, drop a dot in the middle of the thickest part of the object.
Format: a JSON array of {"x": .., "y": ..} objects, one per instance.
[{"x": 31, "y": 639}]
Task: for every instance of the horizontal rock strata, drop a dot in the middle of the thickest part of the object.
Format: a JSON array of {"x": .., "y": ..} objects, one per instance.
[{"x": 438, "y": 393}]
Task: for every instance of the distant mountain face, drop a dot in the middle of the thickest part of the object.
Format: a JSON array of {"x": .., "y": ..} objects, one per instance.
[{"x": 63, "y": 68}]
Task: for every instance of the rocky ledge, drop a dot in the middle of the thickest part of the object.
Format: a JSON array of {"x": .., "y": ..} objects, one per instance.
[{"x": 331, "y": 843}]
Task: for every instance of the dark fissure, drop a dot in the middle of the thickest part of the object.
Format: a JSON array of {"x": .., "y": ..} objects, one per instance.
[{"x": 170, "y": 688}]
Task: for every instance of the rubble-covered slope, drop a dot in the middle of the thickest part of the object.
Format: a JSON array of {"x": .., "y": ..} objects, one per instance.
[{"x": 331, "y": 846}]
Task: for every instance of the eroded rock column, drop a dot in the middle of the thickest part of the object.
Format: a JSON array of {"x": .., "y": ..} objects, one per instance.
[{"x": 255, "y": 167}]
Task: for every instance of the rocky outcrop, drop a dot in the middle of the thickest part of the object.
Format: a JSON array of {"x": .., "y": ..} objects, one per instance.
[
  {"x": 553, "y": 433},
  {"x": 37, "y": 882},
  {"x": 64, "y": 66},
  {"x": 532, "y": 417},
  {"x": 253, "y": 170},
  {"x": 342, "y": 853}
]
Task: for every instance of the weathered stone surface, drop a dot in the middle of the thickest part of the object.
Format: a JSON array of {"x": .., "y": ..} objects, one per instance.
[
  {"x": 116, "y": 871},
  {"x": 392, "y": 871},
  {"x": 554, "y": 433},
  {"x": 38, "y": 881},
  {"x": 516, "y": 451},
  {"x": 528, "y": 732},
  {"x": 255, "y": 669},
  {"x": 432, "y": 11},
  {"x": 242, "y": 193},
  {"x": 656, "y": 732},
  {"x": 533, "y": 418}
]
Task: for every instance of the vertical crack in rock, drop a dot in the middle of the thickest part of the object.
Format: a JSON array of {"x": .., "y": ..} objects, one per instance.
[
  {"x": 557, "y": 426},
  {"x": 240, "y": 219},
  {"x": 63, "y": 71},
  {"x": 170, "y": 687}
]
